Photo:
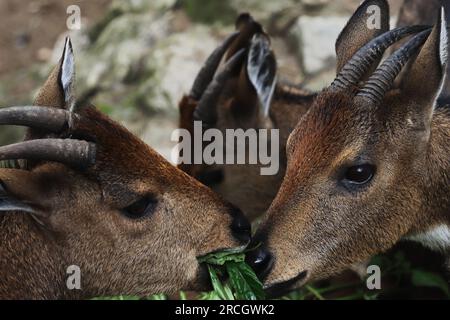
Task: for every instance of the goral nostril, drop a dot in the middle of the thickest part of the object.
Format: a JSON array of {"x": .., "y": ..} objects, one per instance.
[
  {"x": 240, "y": 226},
  {"x": 241, "y": 229},
  {"x": 261, "y": 261}
]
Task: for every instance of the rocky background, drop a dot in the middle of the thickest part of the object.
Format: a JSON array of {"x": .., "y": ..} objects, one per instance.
[{"x": 135, "y": 58}]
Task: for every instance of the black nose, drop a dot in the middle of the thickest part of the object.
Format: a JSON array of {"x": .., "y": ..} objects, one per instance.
[
  {"x": 240, "y": 226},
  {"x": 260, "y": 260}
]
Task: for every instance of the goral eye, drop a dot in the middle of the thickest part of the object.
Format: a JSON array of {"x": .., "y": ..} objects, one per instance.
[
  {"x": 359, "y": 175},
  {"x": 140, "y": 208}
]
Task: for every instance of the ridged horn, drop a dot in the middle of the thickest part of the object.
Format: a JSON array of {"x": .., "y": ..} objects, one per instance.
[
  {"x": 206, "y": 73},
  {"x": 75, "y": 153},
  {"x": 206, "y": 110},
  {"x": 364, "y": 58},
  {"x": 383, "y": 78},
  {"x": 45, "y": 118}
]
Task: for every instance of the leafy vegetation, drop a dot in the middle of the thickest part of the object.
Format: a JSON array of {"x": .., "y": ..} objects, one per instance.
[
  {"x": 242, "y": 282},
  {"x": 233, "y": 279}
]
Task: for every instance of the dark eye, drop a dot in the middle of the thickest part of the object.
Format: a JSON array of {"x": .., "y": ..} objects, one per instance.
[
  {"x": 140, "y": 208},
  {"x": 360, "y": 174}
]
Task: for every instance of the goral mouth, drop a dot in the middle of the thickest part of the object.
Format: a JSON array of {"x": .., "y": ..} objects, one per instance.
[
  {"x": 282, "y": 288},
  {"x": 202, "y": 280}
]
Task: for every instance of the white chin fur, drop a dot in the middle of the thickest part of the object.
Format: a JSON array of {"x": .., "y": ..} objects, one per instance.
[{"x": 437, "y": 238}]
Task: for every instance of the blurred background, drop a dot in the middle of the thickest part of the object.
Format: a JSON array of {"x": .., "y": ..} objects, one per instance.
[{"x": 136, "y": 58}]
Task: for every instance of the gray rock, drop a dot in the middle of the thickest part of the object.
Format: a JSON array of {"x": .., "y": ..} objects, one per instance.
[
  {"x": 261, "y": 10},
  {"x": 314, "y": 38},
  {"x": 142, "y": 5},
  {"x": 137, "y": 62}
]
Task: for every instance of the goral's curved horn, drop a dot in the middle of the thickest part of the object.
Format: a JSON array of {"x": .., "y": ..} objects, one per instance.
[
  {"x": 75, "y": 153},
  {"x": 206, "y": 110},
  {"x": 45, "y": 118},
  {"x": 364, "y": 58},
  {"x": 206, "y": 73},
  {"x": 383, "y": 78}
]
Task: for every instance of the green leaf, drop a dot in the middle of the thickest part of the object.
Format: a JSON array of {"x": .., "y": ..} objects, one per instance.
[
  {"x": 220, "y": 258},
  {"x": 252, "y": 280},
  {"x": 183, "y": 295},
  {"x": 212, "y": 295},
  {"x": 315, "y": 292},
  {"x": 223, "y": 292},
  {"x": 244, "y": 281},
  {"x": 243, "y": 284},
  {"x": 429, "y": 279},
  {"x": 158, "y": 297},
  {"x": 237, "y": 281}
]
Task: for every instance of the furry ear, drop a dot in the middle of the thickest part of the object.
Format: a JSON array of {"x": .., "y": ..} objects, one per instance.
[
  {"x": 257, "y": 77},
  {"x": 17, "y": 191},
  {"x": 262, "y": 70},
  {"x": 443, "y": 97},
  {"x": 58, "y": 91},
  {"x": 370, "y": 20},
  {"x": 424, "y": 78},
  {"x": 8, "y": 203},
  {"x": 67, "y": 75}
]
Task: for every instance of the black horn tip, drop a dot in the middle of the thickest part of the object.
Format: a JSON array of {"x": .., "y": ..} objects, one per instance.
[
  {"x": 206, "y": 73},
  {"x": 243, "y": 18},
  {"x": 206, "y": 110}
]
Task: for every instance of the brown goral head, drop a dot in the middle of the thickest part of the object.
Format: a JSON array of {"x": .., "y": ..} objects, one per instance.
[
  {"x": 364, "y": 161},
  {"x": 236, "y": 95},
  {"x": 106, "y": 202}
]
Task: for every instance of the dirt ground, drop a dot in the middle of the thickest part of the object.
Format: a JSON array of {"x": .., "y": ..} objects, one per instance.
[{"x": 31, "y": 27}]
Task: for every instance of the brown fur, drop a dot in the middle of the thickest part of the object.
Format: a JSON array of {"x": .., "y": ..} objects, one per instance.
[
  {"x": 419, "y": 12},
  {"x": 416, "y": 12},
  {"x": 255, "y": 192},
  {"x": 334, "y": 229},
  {"x": 348, "y": 42},
  {"x": 78, "y": 220},
  {"x": 238, "y": 108},
  {"x": 317, "y": 224}
]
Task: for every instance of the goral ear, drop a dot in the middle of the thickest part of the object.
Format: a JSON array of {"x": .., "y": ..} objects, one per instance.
[
  {"x": 370, "y": 20},
  {"x": 443, "y": 96},
  {"x": 423, "y": 83},
  {"x": 58, "y": 91},
  {"x": 20, "y": 191},
  {"x": 257, "y": 79},
  {"x": 262, "y": 70}
]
